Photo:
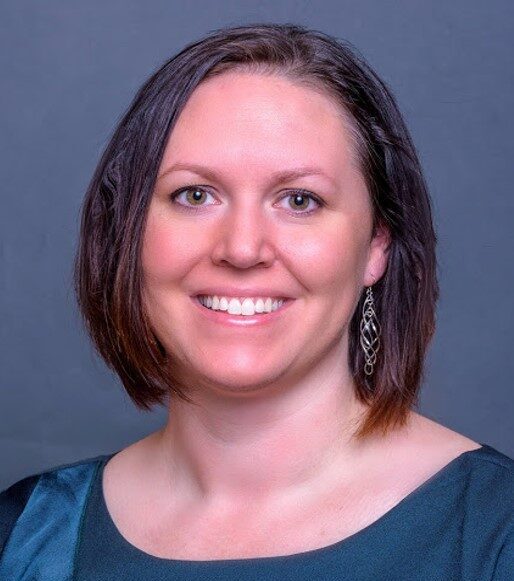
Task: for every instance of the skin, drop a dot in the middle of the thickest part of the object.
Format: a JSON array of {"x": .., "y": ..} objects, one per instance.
[
  {"x": 276, "y": 410},
  {"x": 254, "y": 382}
]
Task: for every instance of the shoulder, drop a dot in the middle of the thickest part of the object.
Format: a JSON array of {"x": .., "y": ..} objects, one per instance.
[
  {"x": 486, "y": 472},
  {"x": 490, "y": 480},
  {"x": 483, "y": 507},
  {"x": 494, "y": 482},
  {"x": 494, "y": 470},
  {"x": 64, "y": 486},
  {"x": 12, "y": 503},
  {"x": 473, "y": 481},
  {"x": 21, "y": 489}
]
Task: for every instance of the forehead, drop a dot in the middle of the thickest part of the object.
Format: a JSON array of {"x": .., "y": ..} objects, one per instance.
[{"x": 259, "y": 120}]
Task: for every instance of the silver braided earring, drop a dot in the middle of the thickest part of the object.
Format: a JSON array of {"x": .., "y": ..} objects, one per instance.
[{"x": 370, "y": 333}]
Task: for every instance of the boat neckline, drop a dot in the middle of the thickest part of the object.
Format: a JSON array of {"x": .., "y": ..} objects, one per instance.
[{"x": 440, "y": 477}]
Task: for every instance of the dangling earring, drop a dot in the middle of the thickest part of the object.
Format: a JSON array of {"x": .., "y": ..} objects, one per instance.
[{"x": 370, "y": 333}]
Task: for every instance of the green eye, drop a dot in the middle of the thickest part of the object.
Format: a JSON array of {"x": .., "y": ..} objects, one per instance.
[
  {"x": 194, "y": 196},
  {"x": 299, "y": 201}
]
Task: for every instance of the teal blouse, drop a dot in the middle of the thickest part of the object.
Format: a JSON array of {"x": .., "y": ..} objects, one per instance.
[{"x": 458, "y": 525}]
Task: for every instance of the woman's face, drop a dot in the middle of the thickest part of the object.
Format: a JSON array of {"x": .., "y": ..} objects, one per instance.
[{"x": 238, "y": 228}]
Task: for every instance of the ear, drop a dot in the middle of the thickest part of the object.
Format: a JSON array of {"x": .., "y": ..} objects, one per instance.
[{"x": 377, "y": 255}]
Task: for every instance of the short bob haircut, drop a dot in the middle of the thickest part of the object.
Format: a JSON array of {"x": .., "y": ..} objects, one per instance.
[{"x": 108, "y": 277}]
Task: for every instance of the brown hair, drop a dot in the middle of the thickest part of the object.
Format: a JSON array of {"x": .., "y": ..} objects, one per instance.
[{"x": 108, "y": 277}]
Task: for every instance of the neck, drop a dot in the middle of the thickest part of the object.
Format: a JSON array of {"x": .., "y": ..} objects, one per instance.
[{"x": 267, "y": 443}]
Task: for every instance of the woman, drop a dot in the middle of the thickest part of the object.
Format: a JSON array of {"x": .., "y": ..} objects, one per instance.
[{"x": 257, "y": 253}]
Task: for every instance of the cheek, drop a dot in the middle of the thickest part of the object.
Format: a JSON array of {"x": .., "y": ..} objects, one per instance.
[
  {"x": 330, "y": 260},
  {"x": 167, "y": 252}
]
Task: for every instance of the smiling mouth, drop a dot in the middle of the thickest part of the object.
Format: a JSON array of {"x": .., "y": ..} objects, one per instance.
[{"x": 241, "y": 307}]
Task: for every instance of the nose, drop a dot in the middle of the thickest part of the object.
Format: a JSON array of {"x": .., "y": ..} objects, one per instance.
[{"x": 244, "y": 239}]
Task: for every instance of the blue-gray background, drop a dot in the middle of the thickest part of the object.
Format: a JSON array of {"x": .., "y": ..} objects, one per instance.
[{"x": 69, "y": 69}]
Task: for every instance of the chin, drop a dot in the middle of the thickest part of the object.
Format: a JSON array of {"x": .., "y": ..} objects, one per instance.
[{"x": 230, "y": 378}]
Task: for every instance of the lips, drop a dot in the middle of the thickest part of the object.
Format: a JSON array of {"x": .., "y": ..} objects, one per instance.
[{"x": 225, "y": 318}]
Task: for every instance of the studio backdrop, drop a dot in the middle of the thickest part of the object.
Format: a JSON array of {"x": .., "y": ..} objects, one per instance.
[{"x": 68, "y": 72}]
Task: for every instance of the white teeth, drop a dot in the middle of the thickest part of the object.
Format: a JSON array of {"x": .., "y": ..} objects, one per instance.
[
  {"x": 246, "y": 307},
  {"x": 234, "y": 307}
]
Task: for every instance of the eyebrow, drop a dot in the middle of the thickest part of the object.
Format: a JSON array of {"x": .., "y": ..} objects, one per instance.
[{"x": 276, "y": 178}]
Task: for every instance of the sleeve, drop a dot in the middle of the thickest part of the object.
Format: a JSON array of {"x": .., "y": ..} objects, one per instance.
[
  {"x": 504, "y": 569},
  {"x": 12, "y": 503}
]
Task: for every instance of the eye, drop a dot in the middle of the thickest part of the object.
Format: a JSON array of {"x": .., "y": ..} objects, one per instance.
[
  {"x": 194, "y": 196},
  {"x": 300, "y": 200}
]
